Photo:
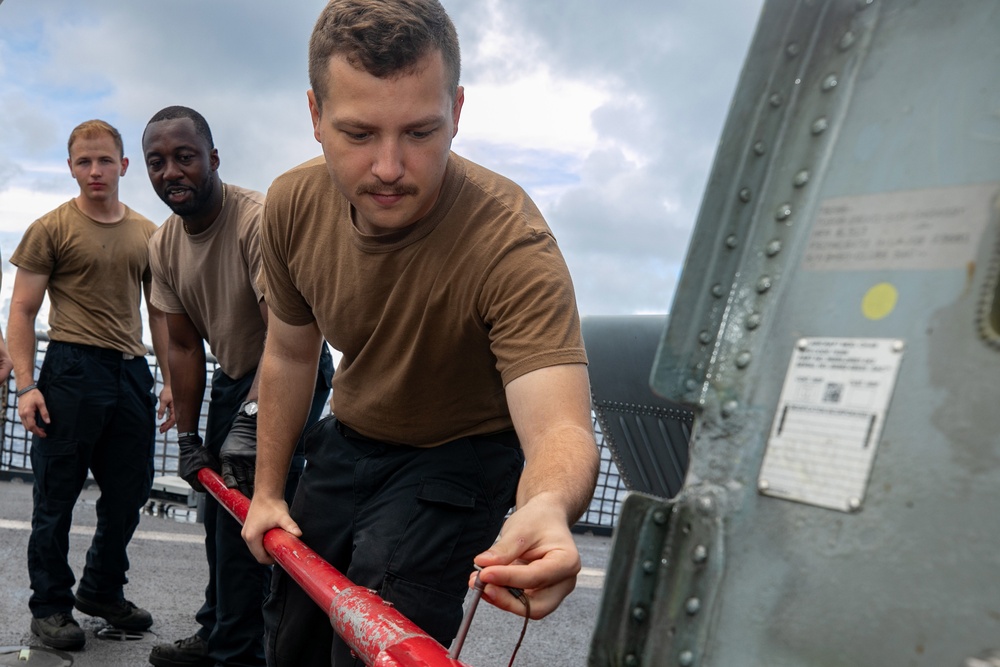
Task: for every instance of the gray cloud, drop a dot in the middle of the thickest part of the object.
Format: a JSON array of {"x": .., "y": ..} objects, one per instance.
[{"x": 672, "y": 67}]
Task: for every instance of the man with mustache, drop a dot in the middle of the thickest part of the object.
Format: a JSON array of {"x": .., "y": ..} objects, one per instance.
[
  {"x": 463, "y": 387},
  {"x": 92, "y": 406},
  {"x": 205, "y": 259}
]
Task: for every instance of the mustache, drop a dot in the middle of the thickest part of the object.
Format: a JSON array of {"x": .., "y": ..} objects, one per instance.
[{"x": 381, "y": 189}]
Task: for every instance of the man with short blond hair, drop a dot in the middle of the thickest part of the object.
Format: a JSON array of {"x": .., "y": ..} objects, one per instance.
[{"x": 92, "y": 407}]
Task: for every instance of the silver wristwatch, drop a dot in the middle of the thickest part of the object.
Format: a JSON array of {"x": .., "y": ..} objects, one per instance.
[{"x": 248, "y": 409}]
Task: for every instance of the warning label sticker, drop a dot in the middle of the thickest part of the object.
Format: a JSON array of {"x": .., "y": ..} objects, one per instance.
[{"x": 933, "y": 228}]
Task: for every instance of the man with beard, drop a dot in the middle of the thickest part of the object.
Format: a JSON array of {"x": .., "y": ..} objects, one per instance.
[
  {"x": 205, "y": 259},
  {"x": 92, "y": 407}
]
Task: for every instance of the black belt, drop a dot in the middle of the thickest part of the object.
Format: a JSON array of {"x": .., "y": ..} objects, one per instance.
[{"x": 102, "y": 352}]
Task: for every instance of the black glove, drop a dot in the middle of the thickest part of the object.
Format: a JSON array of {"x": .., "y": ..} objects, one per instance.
[
  {"x": 239, "y": 455},
  {"x": 193, "y": 457}
]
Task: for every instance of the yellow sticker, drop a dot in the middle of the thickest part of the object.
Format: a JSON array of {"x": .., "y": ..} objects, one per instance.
[{"x": 879, "y": 301}]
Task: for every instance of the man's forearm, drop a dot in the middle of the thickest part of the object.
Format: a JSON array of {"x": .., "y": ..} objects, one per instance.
[
  {"x": 550, "y": 408},
  {"x": 161, "y": 344},
  {"x": 285, "y": 394},
  {"x": 564, "y": 470},
  {"x": 21, "y": 345},
  {"x": 187, "y": 382}
]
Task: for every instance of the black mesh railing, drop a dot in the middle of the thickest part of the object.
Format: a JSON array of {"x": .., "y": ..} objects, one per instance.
[
  {"x": 15, "y": 448},
  {"x": 602, "y": 514}
]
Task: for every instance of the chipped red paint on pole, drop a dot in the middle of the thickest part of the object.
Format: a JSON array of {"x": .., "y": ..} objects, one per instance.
[
  {"x": 235, "y": 502},
  {"x": 380, "y": 635}
]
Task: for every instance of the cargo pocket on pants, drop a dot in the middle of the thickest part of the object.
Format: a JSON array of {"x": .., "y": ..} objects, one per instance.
[{"x": 426, "y": 576}]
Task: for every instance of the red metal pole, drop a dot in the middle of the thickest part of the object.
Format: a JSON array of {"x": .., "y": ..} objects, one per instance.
[{"x": 378, "y": 634}]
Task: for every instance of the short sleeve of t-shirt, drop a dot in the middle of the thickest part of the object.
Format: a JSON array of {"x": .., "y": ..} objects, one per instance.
[
  {"x": 529, "y": 307},
  {"x": 162, "y": 294},
  {"x": 275, "y": 280},
  {"x": 35, "y": 252}
]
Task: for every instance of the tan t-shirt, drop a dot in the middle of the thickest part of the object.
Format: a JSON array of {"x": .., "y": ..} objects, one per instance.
[
  {"x": 211, "y": 277},
  {"x": 432, "y": 321},
  {"x": 95, "y": 274}
]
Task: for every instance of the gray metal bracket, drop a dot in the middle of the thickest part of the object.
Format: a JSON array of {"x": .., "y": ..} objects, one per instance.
[{"x": 677, "y": 557}]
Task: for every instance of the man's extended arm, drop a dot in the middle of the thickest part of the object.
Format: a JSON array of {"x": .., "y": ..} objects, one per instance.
[
  {"x": 186, "y": 359},
  {"x": 161, "y": 341},
  {"x": 550, "y": 408},
  {"x": 287, "y": 380},
  {"x": 29, "y": 291}
]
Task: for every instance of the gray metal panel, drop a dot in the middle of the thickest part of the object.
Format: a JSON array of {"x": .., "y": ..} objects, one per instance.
[
  {"x": 647, "y": 435},
  {"x": 841, "y": 99}
]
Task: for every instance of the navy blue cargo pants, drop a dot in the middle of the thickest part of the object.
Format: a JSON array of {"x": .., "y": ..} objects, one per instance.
[
  {"x": 404, "y": 521},
  {"x": 102, "y": 412}
]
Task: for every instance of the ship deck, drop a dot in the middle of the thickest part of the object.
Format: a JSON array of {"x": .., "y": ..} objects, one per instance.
[{"x": 168, "y": 575}]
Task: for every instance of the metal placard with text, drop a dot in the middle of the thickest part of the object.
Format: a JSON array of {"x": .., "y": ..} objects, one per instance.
[{"x": 830, "y": 415}]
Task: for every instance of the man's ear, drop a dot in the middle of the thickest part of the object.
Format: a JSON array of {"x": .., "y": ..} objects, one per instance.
[
  {"x": 314, "y": 112},
  {"x": 456, "y": 109}
]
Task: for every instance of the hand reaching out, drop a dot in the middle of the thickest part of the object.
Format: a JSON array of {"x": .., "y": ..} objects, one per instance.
[{"x": 536, "y": 553}]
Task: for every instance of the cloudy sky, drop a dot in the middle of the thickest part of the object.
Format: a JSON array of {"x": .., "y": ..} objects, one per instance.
[{"x": 608, "y": 113}]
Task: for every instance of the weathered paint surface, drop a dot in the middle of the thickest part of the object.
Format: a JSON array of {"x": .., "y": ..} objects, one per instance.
[{"x": 378, "y": 633}]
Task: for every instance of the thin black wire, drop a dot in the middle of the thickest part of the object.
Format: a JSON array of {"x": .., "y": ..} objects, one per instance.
[{"x": 519, "y": 594}]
